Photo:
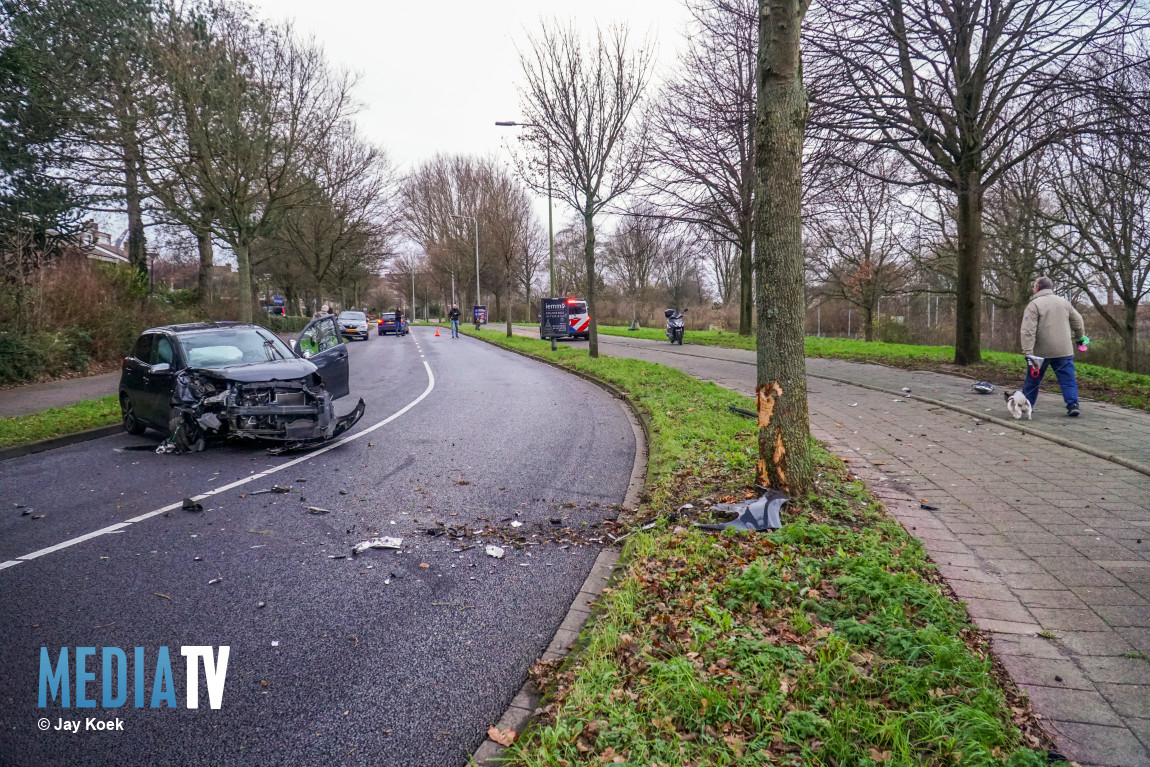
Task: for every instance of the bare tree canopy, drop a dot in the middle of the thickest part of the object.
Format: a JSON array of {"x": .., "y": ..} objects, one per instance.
[
  {"x": 964, "y": 90},
  {"x": 857, "y": 235},
  {"x": 583, "y": 94},
  {"x": 702, "y": 150},
  {"x": 1103, "y": 197}
]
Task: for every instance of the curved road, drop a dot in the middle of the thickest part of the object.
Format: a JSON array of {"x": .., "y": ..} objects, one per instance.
[{"x": 394, "y": 657}]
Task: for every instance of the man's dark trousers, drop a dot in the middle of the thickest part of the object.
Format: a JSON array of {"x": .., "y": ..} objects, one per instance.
[{"x": 1064, "y": 369}]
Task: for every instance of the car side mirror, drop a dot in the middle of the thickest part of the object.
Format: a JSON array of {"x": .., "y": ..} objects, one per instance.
[
  {"x": 295, "y": 346},
  {"x": 160, "y": 367}
]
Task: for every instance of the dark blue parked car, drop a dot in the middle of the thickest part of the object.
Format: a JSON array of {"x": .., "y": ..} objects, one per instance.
[{"x": 389, "y": 324}]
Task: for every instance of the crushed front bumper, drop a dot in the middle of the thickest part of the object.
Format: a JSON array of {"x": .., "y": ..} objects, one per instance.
[{"x": 298, "y": 412}]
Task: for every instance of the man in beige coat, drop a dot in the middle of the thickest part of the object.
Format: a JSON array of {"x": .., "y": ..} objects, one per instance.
[{"x": 1050, "y": 328}]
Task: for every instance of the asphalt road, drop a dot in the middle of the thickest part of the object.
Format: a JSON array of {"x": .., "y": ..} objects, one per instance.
[{"x": 391, "y": 658}]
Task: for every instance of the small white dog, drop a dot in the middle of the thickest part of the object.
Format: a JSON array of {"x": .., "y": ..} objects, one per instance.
[{"x": 1017, "y": 404}]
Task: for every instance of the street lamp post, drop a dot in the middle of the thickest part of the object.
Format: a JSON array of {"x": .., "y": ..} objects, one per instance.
[
  {"x": 550, "y": 213},
  {"x": 476, "y": 221}
]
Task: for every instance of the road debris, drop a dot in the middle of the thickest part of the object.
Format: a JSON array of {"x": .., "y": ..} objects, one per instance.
[
  {"x": 317, "y": 510},
  {"x": 261, "y": 604},
  {"x": 377, "y": 543},
  {"x": 743, "y": 412},
  {"x": 165, "y": 596},
  {"x": 190, "y": 505},
  {"x": 494, "y": 551},
  {"x": 214, "y": 580},
  {"x": 272, "y": 489},
  {"x": 759, "y": 514},
  {"x": 927, "y": 506}
]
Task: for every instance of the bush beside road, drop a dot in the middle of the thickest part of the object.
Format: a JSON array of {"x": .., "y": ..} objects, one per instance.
[
  {"x": 1104, "y": 384},
  {"x": 829, "y": 641}
]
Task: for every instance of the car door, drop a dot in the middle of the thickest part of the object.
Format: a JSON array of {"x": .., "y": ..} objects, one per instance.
[
  {"x": 156, "y": 381},
  {"x": 322, "y": 344},
  {"x": 132, "y": 375},
  {"x": 161, "y": 381}
]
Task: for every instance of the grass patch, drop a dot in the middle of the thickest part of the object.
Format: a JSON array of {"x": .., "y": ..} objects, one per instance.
[
  {"x": 55, "y": 422},
  {"x": 829, "y": 642},
  {"x": 1095, "y": 382}
]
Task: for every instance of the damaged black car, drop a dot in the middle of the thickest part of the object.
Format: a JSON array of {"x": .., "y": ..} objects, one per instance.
[{"x": 207, "y": 381}]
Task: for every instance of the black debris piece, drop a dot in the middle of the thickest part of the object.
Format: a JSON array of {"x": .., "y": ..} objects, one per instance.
[{"x": 190, "y": 505}]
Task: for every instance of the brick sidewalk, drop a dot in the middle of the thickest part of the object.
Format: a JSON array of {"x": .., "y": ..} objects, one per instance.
[{"x": 1044, "y": 543}]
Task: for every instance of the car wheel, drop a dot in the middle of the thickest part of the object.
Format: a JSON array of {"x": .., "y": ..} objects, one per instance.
[{"x": 132, "y": 424}]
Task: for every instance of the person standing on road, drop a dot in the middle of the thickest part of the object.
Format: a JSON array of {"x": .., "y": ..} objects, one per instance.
[
  {"x": 1050, "y": 326},
  {"x": 453, "y": 315}
]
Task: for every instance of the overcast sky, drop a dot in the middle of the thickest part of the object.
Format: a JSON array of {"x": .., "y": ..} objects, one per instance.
[{"x": 437, "y": 75}]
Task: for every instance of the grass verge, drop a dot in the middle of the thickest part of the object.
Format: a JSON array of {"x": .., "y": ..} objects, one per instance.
[
  {"x": 829, "y": 642},
  {"x": 55, "y": 422},
  {"x": 1130, "y": 390}
]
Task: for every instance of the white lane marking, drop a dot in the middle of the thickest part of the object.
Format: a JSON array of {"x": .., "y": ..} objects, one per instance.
[{"x": 173, "y": 506}]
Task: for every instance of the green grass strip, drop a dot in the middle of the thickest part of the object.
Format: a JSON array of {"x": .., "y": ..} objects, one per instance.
[
  {"x": 56, "y": 422},
  {"x": 827, "y": 642}
]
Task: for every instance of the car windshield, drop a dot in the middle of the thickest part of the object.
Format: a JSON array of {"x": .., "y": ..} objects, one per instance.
[
  {"x": 223, "y": 347},
  {"x": 353, "y": 316}
]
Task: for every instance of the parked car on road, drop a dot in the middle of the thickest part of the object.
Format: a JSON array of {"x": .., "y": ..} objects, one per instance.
[
  {"x": 354, "y": 325},
  {"x": 389, "y": 324},
  {"x": 206, "y": 380}
]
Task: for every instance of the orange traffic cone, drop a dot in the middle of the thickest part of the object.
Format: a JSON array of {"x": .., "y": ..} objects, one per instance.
[{"x": 437, "y": 331}]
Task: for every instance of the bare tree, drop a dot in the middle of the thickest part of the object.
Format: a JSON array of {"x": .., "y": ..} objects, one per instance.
[
  {"x": 280, "y": 104},
  {"x": 584, "y": 94},
  {"x": 343, "y": 234},
  {"x": 1103, "y": 194},
  {"x": 723, "y": 260},
  {"x": 532, "y": 257},
  {"x": 857, "y": 233},
  {"x": 632, "y": 254},
  {"x": 965, "y": 90},
  {"x": 508, "y": 223},
  {"x": 1020, "y": 243},
  {"x": 678, "y": 267},
  {"x": 780, "y": 386},
  {"x": 703, "y": 156}
]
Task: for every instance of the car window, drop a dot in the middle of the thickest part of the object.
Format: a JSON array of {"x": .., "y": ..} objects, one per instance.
[
  {"x": 221, "y": 347},
  {"x": 163, "y": 352},
  {"x": 319, "y": 337},
  {"x": 143, "y": 348},
  {"x": 577, "y": 308},
  {"x": 388, "y": 316}
]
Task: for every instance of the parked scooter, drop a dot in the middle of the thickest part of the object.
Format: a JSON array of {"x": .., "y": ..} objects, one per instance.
[{"x": 674, "y": 325}]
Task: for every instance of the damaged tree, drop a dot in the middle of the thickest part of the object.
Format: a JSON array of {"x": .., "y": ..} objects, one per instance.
[{"x": 781, "y": 384}]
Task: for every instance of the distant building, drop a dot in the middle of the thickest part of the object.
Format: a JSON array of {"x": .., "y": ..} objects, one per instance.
[{"x": 97, "y": 245}]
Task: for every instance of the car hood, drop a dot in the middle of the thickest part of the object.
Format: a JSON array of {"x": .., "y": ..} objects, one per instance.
[{"x": 276, "y": 370}]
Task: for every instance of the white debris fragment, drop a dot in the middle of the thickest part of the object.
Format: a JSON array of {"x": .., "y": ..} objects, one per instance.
[
  {"x": 377, "y": 543},
  {"x": 517, "y": 524},
  {"x": 494, "y": 551}
]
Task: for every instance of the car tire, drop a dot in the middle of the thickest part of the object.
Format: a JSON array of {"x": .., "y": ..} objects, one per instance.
[{"x": 132, "y": 424}]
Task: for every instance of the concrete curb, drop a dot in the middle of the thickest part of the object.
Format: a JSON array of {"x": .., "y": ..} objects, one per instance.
[
  {"x": 1141, "y": 468},
  {"x": 18, "y": 451},
  {"x": 526, "y": 701}
]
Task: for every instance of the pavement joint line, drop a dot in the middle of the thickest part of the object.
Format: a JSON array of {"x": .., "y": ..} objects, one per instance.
[
  {"x": 215, "y": 491},
  {"x": 1141, "y": 468}
]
